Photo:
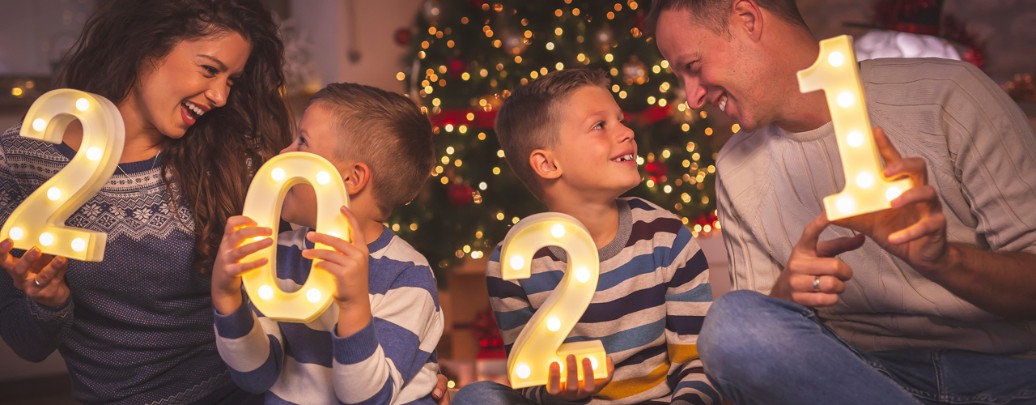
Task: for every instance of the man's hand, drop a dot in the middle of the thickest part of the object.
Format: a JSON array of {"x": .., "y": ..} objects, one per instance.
[
  {"x": 914, "y": 229},
  {"x": 814, "y": 277},
  {"x": 228, "y": 268},
  {"x": 41, "y": 277},
  {"x": 573, "y": 389}
]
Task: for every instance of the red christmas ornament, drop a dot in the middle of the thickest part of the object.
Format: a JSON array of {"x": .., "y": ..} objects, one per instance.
[
  {"x": 455, "y": 66},
  {"x": 490, "y": 342},
  {"x": 459, "y": 195},
  {"x": 657, "y": 171},
  {"x": 403, "y": 36}
]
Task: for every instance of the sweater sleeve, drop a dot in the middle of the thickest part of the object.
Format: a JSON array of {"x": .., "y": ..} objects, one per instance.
[
  {"x": 994, "y": 154},
  {"x": 251, "y": 346},
  {"x": 373, "y": 365},
  {"x": 33, "y": 331},
  {"x": 688, "y": 297}
]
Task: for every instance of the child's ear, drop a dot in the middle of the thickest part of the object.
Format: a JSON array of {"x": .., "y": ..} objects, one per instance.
[
  {"x": 545, "y": 164},
  {"x": 356, "y": 177}
]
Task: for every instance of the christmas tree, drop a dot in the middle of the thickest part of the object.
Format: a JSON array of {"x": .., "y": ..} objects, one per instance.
[{"x": 465, "y": 58}]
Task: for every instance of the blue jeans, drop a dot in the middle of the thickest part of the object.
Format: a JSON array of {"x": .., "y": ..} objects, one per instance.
[
  {"x": 763, "y": 350},
  {"x": 488, "y": 393}
]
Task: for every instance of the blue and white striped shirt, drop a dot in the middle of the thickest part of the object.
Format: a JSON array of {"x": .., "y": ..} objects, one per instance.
[
  {"x": 391, "y": 360},
  {"x": 650, "y": 303}
]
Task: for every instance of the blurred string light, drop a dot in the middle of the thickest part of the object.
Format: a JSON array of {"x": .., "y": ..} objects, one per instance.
[{"x": 472, "y": 53}]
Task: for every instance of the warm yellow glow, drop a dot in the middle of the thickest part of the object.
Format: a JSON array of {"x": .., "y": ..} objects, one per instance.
[
  {"x": 855, "y": 139},
  {"x": 865, "y": 180},
  {"x": 557, "y": 231},
  {"x": 78, "y": 244},
  {"x": 836, "y": 59},
  {"x": 845, "y": 204},
  {"x": 517, "y": 262},
  {"x": 540, "y": 341},
  {"x": 553, "y": 324},
  {"x": 522, "y": 371},
  {"x": 845, "y": 99},
  {"x": 892, "y": 193},
  {"x": 94, "y": 154},
  {"x": 266, "y": 293},
  {"x": 40, "y": 218},
  {"x": 46, "y": 239},
  {"x": 277, "y": 174},
  {"x": 582, "y": 274},
  {"x": 836, "y": 73},
  {"x": 313, "y": 295},
  {"x": 262, "y": 205},
  {"x": 323, "y": 177},
  {"x": 17, "y": 91}
]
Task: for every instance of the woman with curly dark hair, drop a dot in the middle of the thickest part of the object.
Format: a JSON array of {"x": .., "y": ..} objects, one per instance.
[{"x": 198, "y": 83}]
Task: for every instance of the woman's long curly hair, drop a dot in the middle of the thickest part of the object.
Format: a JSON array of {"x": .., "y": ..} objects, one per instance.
[{"x": 213, "y": 163}]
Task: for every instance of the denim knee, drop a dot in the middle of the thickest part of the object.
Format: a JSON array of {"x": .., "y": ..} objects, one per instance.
[
  {"x": 486, "y": 393},
  {"x": 744, "y": 327}
]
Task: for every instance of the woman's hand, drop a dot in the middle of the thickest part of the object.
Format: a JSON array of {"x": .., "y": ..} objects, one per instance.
[{"x": 41, "y": 277}]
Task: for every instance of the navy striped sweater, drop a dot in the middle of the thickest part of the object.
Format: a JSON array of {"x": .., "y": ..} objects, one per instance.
[
  {"x": 392, "y": 360},
  {"x": 651, "y": 299}
]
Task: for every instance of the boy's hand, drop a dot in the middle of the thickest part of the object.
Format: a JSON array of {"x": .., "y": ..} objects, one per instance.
[
  {"x": 348, "y": 262},
  {"x": 572, "y": 389},
  {"x": 228, "y": 268},
  {"x": 40, "y": 276}
]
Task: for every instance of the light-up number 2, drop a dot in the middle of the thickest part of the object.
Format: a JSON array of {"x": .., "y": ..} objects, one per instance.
[
  {"x": 263, "y": 205},
  {"x": 40, "y": 219},
  {"x": 866, "y": 188},
  {"x": 540, "y": 342}
]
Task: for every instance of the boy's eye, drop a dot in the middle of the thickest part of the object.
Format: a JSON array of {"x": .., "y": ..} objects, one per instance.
[
  {"x": 210, "y": 70},
  {"x": 599, "y": 124}
]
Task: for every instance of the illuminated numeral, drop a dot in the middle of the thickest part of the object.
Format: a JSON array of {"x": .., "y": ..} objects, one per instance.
[
  {"x": 866, "y": 187},
  {"x": 263, "y": 205},
  {"x": 540, "y": 342},
  {"x": 40, "y": 219}
]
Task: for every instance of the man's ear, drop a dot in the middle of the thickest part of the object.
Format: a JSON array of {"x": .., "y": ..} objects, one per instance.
[
  {"x": 746, "y": 17},
  {"x": 357, "y": 176},
  {"x": 545, "y": 164}
]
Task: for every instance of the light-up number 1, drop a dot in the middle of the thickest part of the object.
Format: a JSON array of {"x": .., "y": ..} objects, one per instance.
[
  {"x": 866, "y": 188},
  {"x": 263, "y": 205},
  {"x": 540, "y": 342},
  {"x": 40, "y": 219}
]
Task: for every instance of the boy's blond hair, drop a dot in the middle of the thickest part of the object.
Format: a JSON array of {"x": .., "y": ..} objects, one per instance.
[
  {"x": 386, "y": 131},
  {"x": 530, "y": 117}
]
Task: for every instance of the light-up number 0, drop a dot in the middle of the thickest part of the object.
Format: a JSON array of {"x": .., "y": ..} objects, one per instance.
[
  {"x": 263, "y": 205},
  {"x": 540, "y": 342},
  {"x": 40, "y": 219},
  {"x": 866, "y": 188}
]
